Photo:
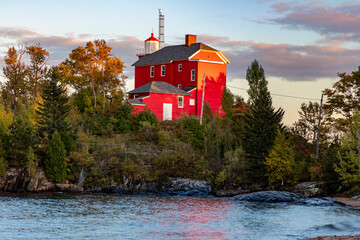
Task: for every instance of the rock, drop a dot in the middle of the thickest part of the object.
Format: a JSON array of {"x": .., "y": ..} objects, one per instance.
[
  {"x": 310, "y": 189},
  {"x": 187, "y": 187},
  {"x": 286, "y": 197},
  {"x": 355, "y": 198}
]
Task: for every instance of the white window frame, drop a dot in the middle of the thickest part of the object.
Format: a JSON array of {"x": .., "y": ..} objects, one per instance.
[
  {"x": 192, "y": 102},
  {"x": 179, "y": 86},
  {"x": 182, "y": 101},
  {"x": 180, "y": 67},
  {"x": 152, "y": 71},
  {"x": 193, "y": 75},
  {"x": 162, "y": 70},
  {"x": 135, "y": 96}
]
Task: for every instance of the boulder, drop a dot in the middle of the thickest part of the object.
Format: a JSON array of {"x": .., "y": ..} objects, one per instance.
[
  {"x": 310, "y": 189},
  {"x": 187, "y": 187},
  {"x": 286, "y": 197}
]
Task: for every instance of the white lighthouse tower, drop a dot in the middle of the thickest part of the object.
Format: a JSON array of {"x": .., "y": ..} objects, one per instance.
[{"x": 151, "y": 44}]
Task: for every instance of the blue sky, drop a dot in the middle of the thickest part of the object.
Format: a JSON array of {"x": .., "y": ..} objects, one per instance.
[{"x": 301, "y": 44}]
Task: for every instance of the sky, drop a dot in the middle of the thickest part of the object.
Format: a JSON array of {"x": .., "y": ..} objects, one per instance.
[{"x": 301, "y": 45}]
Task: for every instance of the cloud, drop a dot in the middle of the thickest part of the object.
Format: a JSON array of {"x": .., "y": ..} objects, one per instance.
[
  {"x": 16, "y": 32},
  {"x": 59, "y": 47},
  {"x": 340, "y": 22},
  {"x": 287, "y": 61}
]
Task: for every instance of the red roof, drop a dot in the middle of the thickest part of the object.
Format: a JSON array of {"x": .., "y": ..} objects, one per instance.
[{"x": 152, "y": 38}]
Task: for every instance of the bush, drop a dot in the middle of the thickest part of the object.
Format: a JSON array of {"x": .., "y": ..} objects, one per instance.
[
  {"x": 192, "y": 133},
  {"x": 234, "y": 170},
  {"x": 182, "y": 162},
  {"x": 123, "y": 117},
  {"x": 144, "y": 116}
]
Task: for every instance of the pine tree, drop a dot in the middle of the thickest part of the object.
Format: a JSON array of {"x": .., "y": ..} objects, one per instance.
[
  {"x": 279, "y": 163},
  {"x": 55, "y": 167},
  {"x": 255, "y": 76},
  {"x": 54, "y": 110},
  {"x": 260, "y": 124}
]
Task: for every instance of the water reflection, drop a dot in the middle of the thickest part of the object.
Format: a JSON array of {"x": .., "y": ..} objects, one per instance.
[{"x": 149, "y": 217}]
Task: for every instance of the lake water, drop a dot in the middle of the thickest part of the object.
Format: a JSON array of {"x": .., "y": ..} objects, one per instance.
[{"x": 58, "y": 216}]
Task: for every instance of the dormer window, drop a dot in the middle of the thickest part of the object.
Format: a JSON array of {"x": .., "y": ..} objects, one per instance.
[
  {"x": 180, "y": 67},
  {"x": 162, "y": 70},
  {"x": 179, "y": 86},
  {"x": 152, "y": 71},
  {"x": 135, "y": 96},
  {"x": 193, "y": 75}
]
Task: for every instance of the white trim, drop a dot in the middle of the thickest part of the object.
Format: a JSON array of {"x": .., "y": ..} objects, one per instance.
[
  {"x": 192, "y": 90},
  {"x": 207, "y": 61},
  {"x": 194, "y": 54},
  {"x": 221, "y": 57},
  {"x": 190, "y": 100},
  {"x": 137, "y": 104},
  {"x": 153, "y": 71},
  {"x": 161, "y": 71},
  {"x": 191, "y": 75},
  {"x": 182, "y": 101}
]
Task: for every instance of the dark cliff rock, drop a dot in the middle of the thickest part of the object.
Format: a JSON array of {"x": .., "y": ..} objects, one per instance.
[
  {"x": 174, "y": 187},
  {"x": 18, "y": 180}
]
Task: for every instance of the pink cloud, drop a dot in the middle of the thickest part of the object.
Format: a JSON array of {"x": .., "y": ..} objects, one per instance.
[
  {"x": 291, "y": 62},
  {"x": 335, "y": 22}
]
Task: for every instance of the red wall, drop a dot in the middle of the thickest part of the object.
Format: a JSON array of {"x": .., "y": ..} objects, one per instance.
[
  {"x": 215, "y": 82},
  {"x": 142, "y": 74},
  {"x": 215, "y": 75}
]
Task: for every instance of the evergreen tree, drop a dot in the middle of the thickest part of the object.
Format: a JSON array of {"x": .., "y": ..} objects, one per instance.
[
  {"x": 55, "y": 167},
  {"x": 280, "y": 162},
  {"x": 348, "y": 167},
  {"x": 260, "y": 124},
  {"x": 255, "y": 76},
  {"x": 21, "y": 136},
  {"x": 54, "y": 110}
]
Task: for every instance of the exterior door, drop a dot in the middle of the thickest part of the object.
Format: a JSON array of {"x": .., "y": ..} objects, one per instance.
[{"x": 167, "y": 111}]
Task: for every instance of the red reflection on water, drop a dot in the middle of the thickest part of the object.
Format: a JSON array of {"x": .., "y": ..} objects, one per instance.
[{"x": 200, "y": 218}]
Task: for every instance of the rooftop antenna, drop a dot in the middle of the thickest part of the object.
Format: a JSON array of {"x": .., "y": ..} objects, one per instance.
[{"x": 161, "y": 27}]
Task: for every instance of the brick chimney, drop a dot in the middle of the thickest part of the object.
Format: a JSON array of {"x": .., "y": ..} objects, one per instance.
[{"x": 190, "y": 39}]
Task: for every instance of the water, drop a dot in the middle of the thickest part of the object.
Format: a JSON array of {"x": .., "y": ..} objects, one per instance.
[{"x": 57, "y": 216}]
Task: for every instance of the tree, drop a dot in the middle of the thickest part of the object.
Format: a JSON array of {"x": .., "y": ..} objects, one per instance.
[
  {"x": 280, "y": 162},
  {"x": 37, "y": 70},
  {"x": 15, "y": 71},
  {"x": 344, "y": 98},
  {"x": 227, "y": 100},
  {"x": 55, "y": 166},
  {"x": 348, "y": 167},
  {"x": 53, "y": 112},
  {"x": 255, "y": 76},
  {"x": 93, "y": 67},
  {"x": 260, "y": 124},
  {"x": 307, "y": 125},
  {"x": 21, "y": 136}
]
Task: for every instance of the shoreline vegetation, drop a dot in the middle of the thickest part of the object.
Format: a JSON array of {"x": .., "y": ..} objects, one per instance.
[{"x": 92, "y": 134}]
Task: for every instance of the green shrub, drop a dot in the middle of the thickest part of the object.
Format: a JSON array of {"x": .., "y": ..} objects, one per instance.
[
  {"x": 144, "y": 116},
  {"x": 192, "y": 132},
  {"x": 123, "y": 117},
  {"x": 182, "y": 162}
]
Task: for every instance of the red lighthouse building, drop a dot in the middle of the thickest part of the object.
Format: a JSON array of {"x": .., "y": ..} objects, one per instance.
[{"x": 169, "y": 81}]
